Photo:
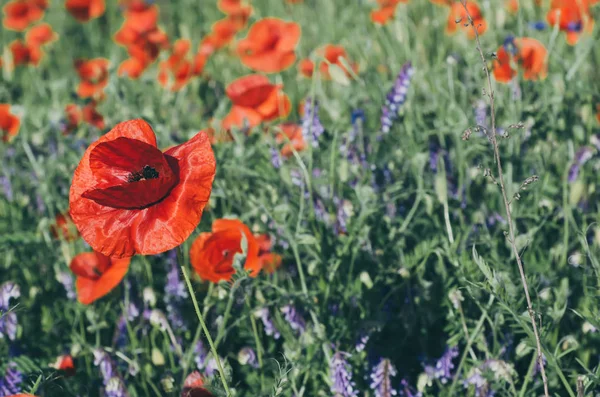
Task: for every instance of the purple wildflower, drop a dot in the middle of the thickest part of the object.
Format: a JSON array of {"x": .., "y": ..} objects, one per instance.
[
  {"x": 113, "y": 384},
  {"x": 396, "y": 97},
  {"x": 407, "y": 391},
  {"x": 495, "y": 218},
  {"x": 6, "y": 187},
  {"x": 444, "y": 366},
  {"x": 175, "y": 292},
  {"x": 66, "y": 279},
  {"x": 296, "y": 177},
  {"x": 201, "y": 355},
  {"x": 11, "y": 382},
  {"x": 275, "y": 158},
  {"x": 480, "y": 110},
  {"x": 362, "y": 343},
  {"x": 247, "y": 356},
  {"x": 265, "y": 317},
  {"x": 538, "y": 25},
  {"x": 293, "y": 318},
  {"x": 340, "y": 373},
  {"x": 482, "y": 386},
  {"x": 312, "y": 129},
  {"x": 582, "y": 156},
  {"x": 205, "y": 362},
  {"x": 8, "y": 319},
  {"x": 381, "y": 379},
  {"x": 344, "y": 209}
]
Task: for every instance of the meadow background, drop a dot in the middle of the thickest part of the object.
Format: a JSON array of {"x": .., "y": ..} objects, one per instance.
[{"x": 395, "y": 264}]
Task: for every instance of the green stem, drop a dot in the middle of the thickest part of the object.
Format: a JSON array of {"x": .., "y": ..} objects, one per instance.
[
  {"x": 528, "y": 376},
  {"x": 468, "y": 347},
  {"x": 205, "y": 329},
  {"x": 221, "y": 332}
]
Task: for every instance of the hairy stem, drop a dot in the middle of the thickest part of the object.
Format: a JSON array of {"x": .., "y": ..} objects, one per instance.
[
  {"x": 206, "y": 333},
  {"x": 511, "y": 229}
]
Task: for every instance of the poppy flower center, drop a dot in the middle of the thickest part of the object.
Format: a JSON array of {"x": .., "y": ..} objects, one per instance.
[
  {"x": 131, "y": 174},
  {"x": 146, "y": 173}
]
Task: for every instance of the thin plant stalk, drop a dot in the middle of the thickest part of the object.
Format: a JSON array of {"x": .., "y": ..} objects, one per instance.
[
  {"x": 205, "y": 329},
  {"x": 500, "y": 179}
]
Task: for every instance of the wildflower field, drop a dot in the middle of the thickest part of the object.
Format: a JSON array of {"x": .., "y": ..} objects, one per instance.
[{"x": 347, "y": 198}]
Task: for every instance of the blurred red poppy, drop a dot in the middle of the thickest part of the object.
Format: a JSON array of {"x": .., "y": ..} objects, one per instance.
[
  {"x": 65, "y": 363},
  {"x": 290, "y": 135},
  {"x": 74, "y": 116},
  {"x": 40, "y": 35},
  {"x": 94, "y": 76},
  {"x": 175, "y": 72},
  {"x": 270, "y": 45},
  {"x": 193, "y": 386},
  {"x": 127, "y": 197},
  {"x": 23, "y": 54},
  {"x": 269, "y": 261},
  {"x": 526, "y": 52},
  {"x": 9, "y": 123},
  {"x": 85, "y": 10},
  {"x": 572, "y": 16},
  {"x": 92, "y": 116},
  {"x": 212, "y": 254},
  {"x": 141, "y": 36},
  {"x": 255, "y": 100},
  {"x": 386, "y": 11},
  {"x": 332, "y": 54},
  {"x": 64, "y": 227},
  {"x": 97, "y": 275},
  {"x": 19, "y": 14},
  {"x": 458, "y": 17}
]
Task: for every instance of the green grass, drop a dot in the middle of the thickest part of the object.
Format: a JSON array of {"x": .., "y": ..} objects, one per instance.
[{"x": 388, "y": 276}]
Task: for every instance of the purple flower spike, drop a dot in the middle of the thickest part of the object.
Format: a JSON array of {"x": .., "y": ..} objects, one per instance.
[
  {"x": 407, "y": 391},
  {"x": 247, "y": 356},
  {"x": 8, "y": 319},
  {"x": 444, "y": 366},
  {"x": 341, "y": 376},
  {"x": 113, "y": 384},
  {"x": 312, "y": 129},
  {"x": 11, "y": 382},
  {"x": 582, "y": 156},
  {"x": 265, "y": 317},
  {"x": 396, "y": 98},
  {"x": 381, "y": 379},
  {"x": 293, "y": 318}
]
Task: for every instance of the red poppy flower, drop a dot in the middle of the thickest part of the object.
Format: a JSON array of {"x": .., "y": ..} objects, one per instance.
[
  {"x": 64, "y": 227},
  {"x": 85, "y": 10},
  {"x": 9, "y": 123},
  {"x": 19, "y": 14},
  {"x": 386, "y": 11},
  {"x": 65, "y": 363},
  {"x": 306, "y": 67},
  {"x": 332, "y": 54},
  {"x": 212, "y": 254},
  {"x": 24, "y": 54},
  {"x": 97, "y": 275},
  {"x": 572, "y": 17},
  {"x": 175, "y": 72},
  {"x": 270, "y": 45},
  {"x": 458, "y": 13},
  {"x": 40, "y": 35},
  {"x": 269, "y": 261},
  {"x": 92, "y": 116},
  {"x": 94, "y": 76},
  {"x": 598, "y": 112},
  {"x": 290, "y": 135},
  {"x": 74, "y": 116},
  {"x": 193, "y": 386},
  {"x": 222, "y": 33},
  {"x": 255, "y": 100},
  {"x": 529, "y": 54},
  {"x": 132, "y": 68},
  {"x": 128, "y": 197}
]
